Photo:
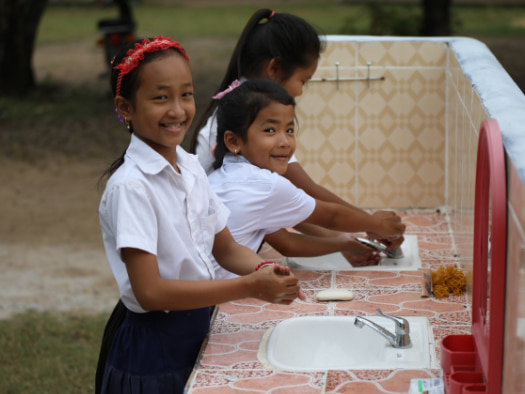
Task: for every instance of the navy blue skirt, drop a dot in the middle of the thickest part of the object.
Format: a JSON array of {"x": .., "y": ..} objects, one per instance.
[{"x": 155, "y": 352}]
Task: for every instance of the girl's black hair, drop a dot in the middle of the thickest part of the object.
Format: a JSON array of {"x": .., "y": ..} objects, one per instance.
[
  {"x": 129, "y": 85},
  {"x": 237, "y": 110},
  {"x": 290, "y": 39}
]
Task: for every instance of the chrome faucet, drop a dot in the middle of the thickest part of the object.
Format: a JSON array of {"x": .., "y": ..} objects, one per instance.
[{"x": 400, "y": 340}]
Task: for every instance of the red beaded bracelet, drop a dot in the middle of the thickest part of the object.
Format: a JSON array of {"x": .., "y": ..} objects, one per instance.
[{"x": 263, "y": 264}]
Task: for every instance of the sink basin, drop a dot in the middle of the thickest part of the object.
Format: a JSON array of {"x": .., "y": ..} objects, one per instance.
[
  {"x": 336, "y": 262},
  {"x": 334, "y": 342}
]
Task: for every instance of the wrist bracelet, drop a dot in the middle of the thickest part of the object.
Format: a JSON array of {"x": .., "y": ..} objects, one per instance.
[{"x": 263, "y": 264}]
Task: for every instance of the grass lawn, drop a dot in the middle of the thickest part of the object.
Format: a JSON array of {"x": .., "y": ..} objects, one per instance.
[
  {"x": 62, "y": 23},
  {"x": 49, "y": 353}
]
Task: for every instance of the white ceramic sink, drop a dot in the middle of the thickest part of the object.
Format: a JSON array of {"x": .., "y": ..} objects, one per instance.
[
  {"x": 334, "y": 342},
  {"x": 336, "y": 262}
]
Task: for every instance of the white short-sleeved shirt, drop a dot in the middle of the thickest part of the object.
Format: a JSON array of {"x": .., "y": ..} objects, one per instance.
[
  {"x": 207, "y": 139},
  {"x": 147, "y": 205},
  {"x": 260, "y": 201}
]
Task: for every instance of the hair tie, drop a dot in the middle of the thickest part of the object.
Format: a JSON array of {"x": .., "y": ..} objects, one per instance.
[
  {"x": 120, "y": 117},
  {"x": 135, "y": 55},
  {"x": 233, "y": 85},
  {"x": 271, "y": 15}
]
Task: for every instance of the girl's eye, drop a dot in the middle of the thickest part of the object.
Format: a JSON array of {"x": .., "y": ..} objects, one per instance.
[
  {"x": 269, "y": 130},
  {"x": 291, "y": 130},
  {"x": 161, "y": 97},
  {"x": 187, "y": 94}
]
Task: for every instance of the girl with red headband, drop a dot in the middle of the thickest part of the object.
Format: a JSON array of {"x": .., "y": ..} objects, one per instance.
[{"x": 160, "y": 222}]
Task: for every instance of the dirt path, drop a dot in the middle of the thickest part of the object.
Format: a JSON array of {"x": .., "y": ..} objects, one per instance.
[{"x": 51, "y": 250}]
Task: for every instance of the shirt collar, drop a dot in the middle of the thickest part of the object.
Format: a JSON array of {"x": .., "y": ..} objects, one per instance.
[
  {"x": 146, "y": 158},
  {"x": 151, "y": 162},
  {"x": 230, "y": 158}
]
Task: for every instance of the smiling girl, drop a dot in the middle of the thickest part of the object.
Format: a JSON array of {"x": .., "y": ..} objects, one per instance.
[
  {"x": 256, "y": 138},
  {"x": 161, "y": 222},
  {"x": 284, "y": 48}
]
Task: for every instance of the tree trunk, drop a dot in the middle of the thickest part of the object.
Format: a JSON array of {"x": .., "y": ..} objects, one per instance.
[
  {"x": 19, "y": 21},
  {"x": 436, "y": 18}
]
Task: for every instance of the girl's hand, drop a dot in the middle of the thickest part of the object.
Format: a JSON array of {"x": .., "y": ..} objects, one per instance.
[
  {"x": 276, "y": 284},
  {"x": 359, "y": 255},
  {"x": 391, "y": 243},
  {"x": 392, "y": 226},
  {"x": 362, "y": 260},
  {"x": 280, "y": 269}
]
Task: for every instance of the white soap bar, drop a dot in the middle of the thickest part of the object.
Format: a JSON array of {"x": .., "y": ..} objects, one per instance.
[{"x": 335, "y": 294}]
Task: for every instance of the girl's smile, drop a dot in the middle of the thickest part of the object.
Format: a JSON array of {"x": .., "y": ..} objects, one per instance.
[
  {"x": 270, "y": 140},
  {"x": 174, "y": 128}
]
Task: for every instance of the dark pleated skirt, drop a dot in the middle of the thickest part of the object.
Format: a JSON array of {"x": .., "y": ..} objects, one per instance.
[
  {"x": 155, "y": 352},
  {"x": 112, "y": 326}
]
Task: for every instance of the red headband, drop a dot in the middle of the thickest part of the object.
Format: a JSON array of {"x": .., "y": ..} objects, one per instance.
[
  {"x": 272, "y": 14},
  {"x": 136, "y": 54}
]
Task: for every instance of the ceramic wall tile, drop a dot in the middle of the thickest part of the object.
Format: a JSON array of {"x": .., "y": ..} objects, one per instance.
[
  {"x": 403, "y": 53},
  {"x": 514, "y": 338},
  {"x": 516, "y": 195},
  {"x": 477, "y": 111},
  {"x": 451, "y": 144},
  {"x": 377, "y": 143},
  {"x": 401, "y": 140},
  {"x": 326, "y": 139},
  {"x": 465, "y": 111},
  {"x": 342, "y": 52}
]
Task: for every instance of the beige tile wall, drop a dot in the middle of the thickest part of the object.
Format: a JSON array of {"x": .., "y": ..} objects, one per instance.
[
  {"x": 410, "y": 141},
  {"x": 514, "y": 342},
  {"x": 378, "y": 143},
  {"x": 464, "y": 117}
]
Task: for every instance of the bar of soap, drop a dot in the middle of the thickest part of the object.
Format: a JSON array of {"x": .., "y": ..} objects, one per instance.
[{"x": 335, "y": 295}]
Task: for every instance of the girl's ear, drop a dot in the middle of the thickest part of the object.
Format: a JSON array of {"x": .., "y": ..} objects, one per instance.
[
  {"x": 231, "y": 141},
  {"x": 273, "y": 69},
  {"x": 123, "y": 107}
]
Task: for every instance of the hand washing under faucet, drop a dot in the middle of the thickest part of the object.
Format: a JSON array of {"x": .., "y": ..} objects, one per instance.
[{"x": 401, "y": 338}]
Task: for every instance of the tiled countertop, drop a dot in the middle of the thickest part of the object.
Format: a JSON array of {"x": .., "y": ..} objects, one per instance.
[{"x": 230, "y": 364}]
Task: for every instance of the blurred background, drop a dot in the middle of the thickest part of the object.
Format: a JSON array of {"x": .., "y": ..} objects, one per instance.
[
  {"x": 59, "y": 132},
  {"x": 68, "y": 79}
]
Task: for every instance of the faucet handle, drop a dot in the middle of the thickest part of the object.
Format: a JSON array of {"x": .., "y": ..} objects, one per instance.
[{"x": 402, "y": 326}]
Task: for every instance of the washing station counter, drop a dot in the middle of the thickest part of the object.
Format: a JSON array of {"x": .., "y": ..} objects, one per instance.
[{"x": 394, "y": 123}]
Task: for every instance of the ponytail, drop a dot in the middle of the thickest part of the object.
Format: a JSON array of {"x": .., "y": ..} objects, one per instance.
[{"x": 266, "y": 36}]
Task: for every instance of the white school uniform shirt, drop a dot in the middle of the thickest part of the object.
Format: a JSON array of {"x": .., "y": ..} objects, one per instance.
[
  {"x": 147, "y": 205},
  {"x": 207, "y": 139},
  {"x": 260, "y": 201}
]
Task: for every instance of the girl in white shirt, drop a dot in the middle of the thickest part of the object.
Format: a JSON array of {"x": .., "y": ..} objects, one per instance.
[
  {"x": 161, "y": 222},
  {"x": 286, "y": 49},
  {"x": 256, "y": 138},
  {"x": 277, "y": 46}
]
